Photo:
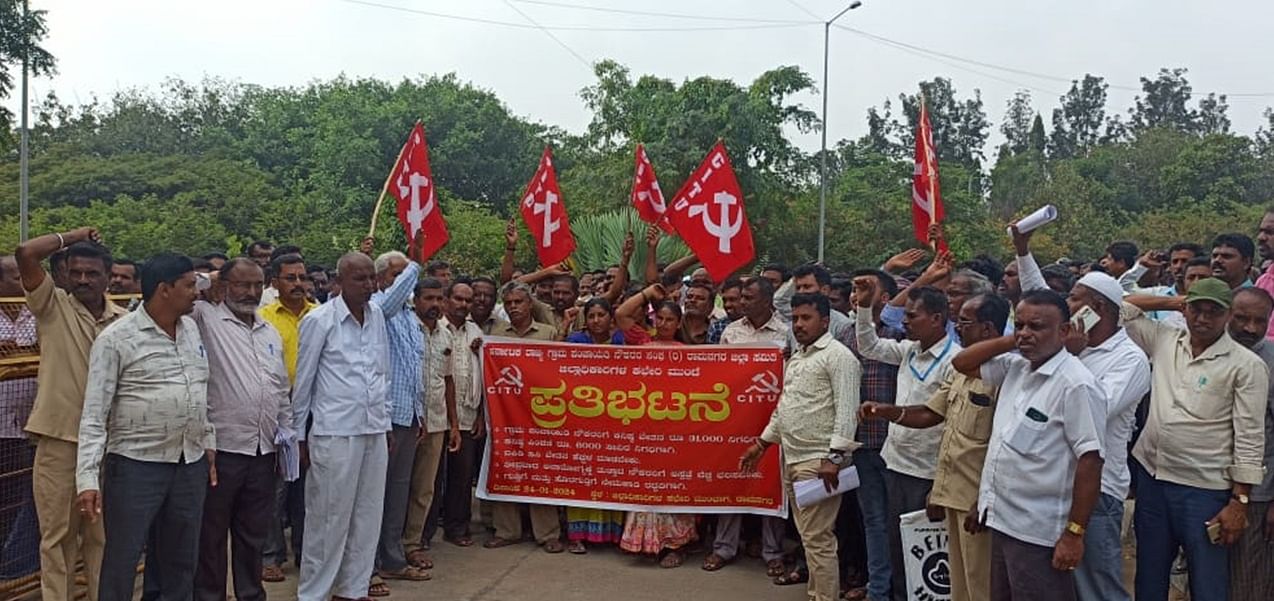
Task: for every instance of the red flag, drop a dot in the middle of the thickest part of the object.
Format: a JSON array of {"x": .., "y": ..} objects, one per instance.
[
  {"x": 708, "y": 214},
  {"x": 413, "y": 186},
  {"x": 926, "y": 196},
  {"x": 647, "y": 197},
  {"x": 545, "y": 215}
]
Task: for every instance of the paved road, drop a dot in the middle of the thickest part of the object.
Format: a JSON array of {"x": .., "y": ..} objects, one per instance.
[{"x": 525, "y": 573}]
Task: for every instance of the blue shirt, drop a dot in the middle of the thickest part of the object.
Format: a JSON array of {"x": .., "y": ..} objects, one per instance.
[
  {"x": 586, "y": 338},
  {"x": 406, "y": 348}
]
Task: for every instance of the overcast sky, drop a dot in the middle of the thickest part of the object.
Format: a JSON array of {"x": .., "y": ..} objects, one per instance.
[{"x": 106, "y": 46}]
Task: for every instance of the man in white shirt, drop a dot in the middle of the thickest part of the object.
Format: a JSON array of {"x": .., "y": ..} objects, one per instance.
[
  {"x": 342, "y": 382},
  {"x": 924, "y": 361},
  {"x": 814, "y": 425},
  {"x": 1042, "y": 474},
  {"x": 144, "y": 437},
  {"x": 1123, "y": 374}
]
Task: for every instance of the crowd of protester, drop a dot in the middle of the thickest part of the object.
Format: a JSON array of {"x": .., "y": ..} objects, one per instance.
[{"x": 335, "y": 418}]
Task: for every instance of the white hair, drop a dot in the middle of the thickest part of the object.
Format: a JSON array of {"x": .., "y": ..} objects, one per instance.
[{"x": 382, "y": 262}]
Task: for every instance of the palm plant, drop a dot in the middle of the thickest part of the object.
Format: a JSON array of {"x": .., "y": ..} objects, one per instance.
[{"x": 599, "y": 240}]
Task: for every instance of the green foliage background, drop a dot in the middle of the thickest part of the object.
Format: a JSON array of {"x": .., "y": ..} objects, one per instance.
[{"x": 197, "y": 167}]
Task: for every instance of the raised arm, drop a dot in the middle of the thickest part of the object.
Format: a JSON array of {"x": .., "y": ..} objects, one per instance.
[
  {"x": 616, "y": 289},
  {"x": 937, "y": 271},
  {"x": 869, "y": 344},
  {"x": 629, "y": 312},
  {"x": 30, "y": 253},
  {"x": 510, "y": 247},
  {"x": 1028, "y": 270},
  {"x": 651, "y": 271},
  {"x": 678, "y": 268},
  {"x": 395, "y": 297},
  {"x": 970, "y": 359}
]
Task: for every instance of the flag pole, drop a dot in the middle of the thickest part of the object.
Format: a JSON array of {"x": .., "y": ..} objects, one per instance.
[
  {"x": 928, "y": 142},
  {"x": 371, "y": 231}
]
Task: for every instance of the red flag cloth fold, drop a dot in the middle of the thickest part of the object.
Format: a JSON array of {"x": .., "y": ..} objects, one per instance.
[
  {"x": 545, "y": 215},
  {"x": 412, "y": 184},
  {"x": 648, "y": 199},
  {"x": 926, "y": 195},
  {"x": 708, "y": 214}
]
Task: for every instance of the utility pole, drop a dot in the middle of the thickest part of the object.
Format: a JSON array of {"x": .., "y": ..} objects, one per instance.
[
  {"x": 24, "y": 166},
  {"x": 822, "y": 171}
]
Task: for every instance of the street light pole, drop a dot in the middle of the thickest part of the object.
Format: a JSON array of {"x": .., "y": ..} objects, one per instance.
[
  {"x": 822, "y": 171},
  {"x": 24, "y": 166}
]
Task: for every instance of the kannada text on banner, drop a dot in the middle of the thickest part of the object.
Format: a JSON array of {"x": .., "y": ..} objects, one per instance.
[{"x": 640, "y": 428}]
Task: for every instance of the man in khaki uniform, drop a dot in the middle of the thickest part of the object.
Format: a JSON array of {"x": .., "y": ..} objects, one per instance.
[
  {"x": 68, "y": 321},
  {"x": 967, "y": 405},
  {"x": 507, "y": 516}
]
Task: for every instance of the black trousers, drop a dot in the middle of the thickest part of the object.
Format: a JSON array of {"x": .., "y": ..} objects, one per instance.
[
  {"x": 161, "y": 502},
  {"x": 241, "y": 505},
  {"x": 851, "y": 542},
  {"x": 1024, "y": 571},
  {"x": 906, "y": 494},
  {"x": 458, "y": 494}
]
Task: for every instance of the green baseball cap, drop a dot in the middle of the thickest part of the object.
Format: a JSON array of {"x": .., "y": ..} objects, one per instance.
[{"x": 1210, "y": 289}]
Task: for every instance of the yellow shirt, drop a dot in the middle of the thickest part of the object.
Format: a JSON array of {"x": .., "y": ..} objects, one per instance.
[
  {"x": 289, "y": 326},
  {"x": 968, "y": 406},
  {"x": 66, "y": 332}
]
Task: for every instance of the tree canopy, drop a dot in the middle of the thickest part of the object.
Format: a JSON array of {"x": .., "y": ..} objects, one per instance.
[{"x": 198, "y": 167}]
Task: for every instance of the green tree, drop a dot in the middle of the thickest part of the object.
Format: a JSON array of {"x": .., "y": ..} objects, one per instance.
[
  {"x": 20, "y": 36},
  {"x": 1078, "y": 123}
]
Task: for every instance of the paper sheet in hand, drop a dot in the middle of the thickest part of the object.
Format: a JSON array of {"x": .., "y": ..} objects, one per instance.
[
  {"x": 809, "y": 492},
  {"x": 1045, "y": 214}
]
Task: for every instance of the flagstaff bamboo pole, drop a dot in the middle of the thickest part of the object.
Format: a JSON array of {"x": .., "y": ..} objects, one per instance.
[
  {"x": 371, "y": 231},
  {"x": 930, "y": 173}
]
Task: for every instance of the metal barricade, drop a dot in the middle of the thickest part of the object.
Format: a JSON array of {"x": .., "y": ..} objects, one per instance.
[{"x": 19, "y": 530}]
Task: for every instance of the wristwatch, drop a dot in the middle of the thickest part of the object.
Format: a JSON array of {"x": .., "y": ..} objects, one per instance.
[
  {"x": 1241, "y": 498},
  {"x": 1075, "y": 528},
  {"x": 836, "y": 457}
]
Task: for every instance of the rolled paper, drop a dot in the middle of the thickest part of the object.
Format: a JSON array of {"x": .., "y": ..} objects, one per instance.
[{"x": 1045, "y": 214}]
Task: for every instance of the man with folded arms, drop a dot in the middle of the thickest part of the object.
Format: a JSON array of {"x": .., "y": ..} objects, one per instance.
[
  {"x": 1042, "y": 474},
  {"x": 814, "y": 423}
]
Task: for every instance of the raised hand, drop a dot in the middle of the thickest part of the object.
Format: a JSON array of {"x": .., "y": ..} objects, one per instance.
[
  {"x": 904, "y": 260},
  {"x": 511, "y": 235},
  {"x": 630, "y": 246},
  {"x": 1021, "y": 240},
  {"x": 415, "y": 248},
  {"x": 652, "y": 236}
]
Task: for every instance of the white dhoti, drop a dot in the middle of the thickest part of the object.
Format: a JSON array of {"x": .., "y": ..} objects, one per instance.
[{"x": 344, "y": 498}]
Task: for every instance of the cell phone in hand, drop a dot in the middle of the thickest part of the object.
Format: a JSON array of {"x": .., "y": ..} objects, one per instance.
[
  {"x": 1085, "y": 318},
  {"x": 1214, "y": 531}
]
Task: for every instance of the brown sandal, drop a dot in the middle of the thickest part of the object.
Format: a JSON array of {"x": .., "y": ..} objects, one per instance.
[
  {"x": 714, "y": 562},
  {"x": 774, "y": 568},
  {"x": 409, "y": 572},
  {"x": 671, "y": 559},
  {"x": 496, "y": 542},
  {"x": 420, "y": 559},
  {"x": 272, "y": 574},
  {"x": 554, "y": 547}
]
